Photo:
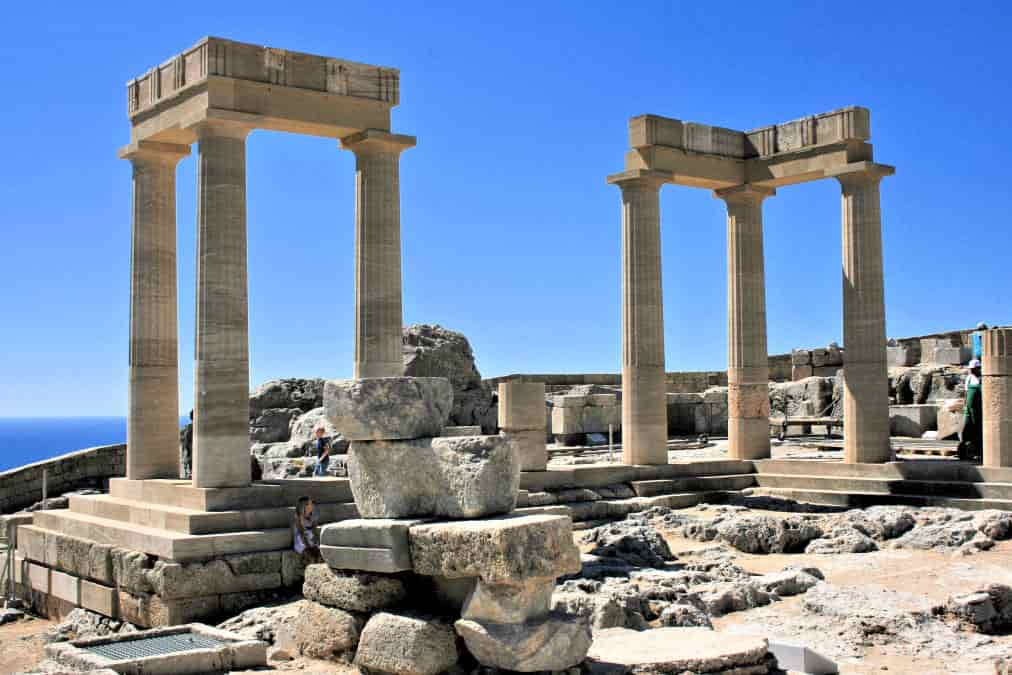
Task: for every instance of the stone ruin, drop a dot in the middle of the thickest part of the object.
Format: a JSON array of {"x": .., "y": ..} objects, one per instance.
[{"x": 453, "y": 524}]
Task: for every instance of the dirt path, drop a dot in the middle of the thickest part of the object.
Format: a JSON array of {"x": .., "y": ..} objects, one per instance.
[{"x": 21, "y": 645}]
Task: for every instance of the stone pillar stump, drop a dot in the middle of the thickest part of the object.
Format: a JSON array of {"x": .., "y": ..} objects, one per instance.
[{"x": 996, "y": 370}]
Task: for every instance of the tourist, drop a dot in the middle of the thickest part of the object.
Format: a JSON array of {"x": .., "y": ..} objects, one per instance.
[
  {"x": 970, "y": 445},
  {"x": 186, "y": 449},
  {"x": 322, "y": 446},
  {"x": 304, "y": 531}
]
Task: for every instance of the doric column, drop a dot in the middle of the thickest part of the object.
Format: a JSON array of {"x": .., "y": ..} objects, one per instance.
[
  {"x": 866, "y": 386},
  {"x": 748, "y": 398},
  {"x": 644, "y": 410},
  {"x": 153, "y": 421},
  {"x": 221, "y": 376},
  {"x": 996, "y": 405},
  {"x": 377, "y": 251}
]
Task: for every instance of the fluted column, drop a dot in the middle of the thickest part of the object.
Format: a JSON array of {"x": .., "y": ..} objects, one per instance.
[
  {"x": 153, "y": 420},
  {"x": 221, "y": 374},
  {"x": 996, "y": 404},
  {"x": 748, "y": 398},
  {"x": 866, "y": 386},
  {"x": 377, "y": 251},
  {"x": 644, "y": 409}
]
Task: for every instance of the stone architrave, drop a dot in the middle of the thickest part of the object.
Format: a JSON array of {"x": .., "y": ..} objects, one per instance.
[
  {"x": 644, "y": 409},
  {"x": 153, "y": 421},
  {"x": 866, "y": 378},
  {"x": 997, "y": 397},
  {"x": 221, "y": 378},
  {"x": 377, "y": 251},
  {"x": 747, "y": 358}
]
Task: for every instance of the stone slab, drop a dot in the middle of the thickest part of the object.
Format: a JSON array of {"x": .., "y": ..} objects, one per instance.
[
  {"x": 950, "y": 419},
  {"x": 65, "y": 587},
  {"x": 353, "y": 592},
  {"x": 521, "y": 406},
  {"x": 99, "y": 598},
  {"x": 461, "y": 431},
  {"x": 551, "y": 643},
  {"x": 384, "y": 560},
  {"x": 913, "y": 419},
  {"x": 900, "y": 357},
  {"x": 792, "y": 657},
  {"x": 509, "y": 603},
  {"x": 38, "y": 578},
  {"x": 529, "y": 449},
  {"x": 388, "y": 408},
  {"x": 369, "y": 532},
  {"x": 570, "y": 401},
  {"x": 672, "y": 650},
  {"x": 502, "y": 550}
]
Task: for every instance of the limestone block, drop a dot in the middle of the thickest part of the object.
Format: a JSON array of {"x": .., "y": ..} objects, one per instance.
[
  {"x": 529, "y": 449},
  {"x": 32, "y": 543},
  {"x": 820, "y": 357},
  {"x": 912, "y": 420},
  {"x": 500, "y": 550},
  {"x": 555, "y": 642},
  {"x": 509, "y": 603},
  {"x": 676, "y": 650},
  {"x": 65, "y": 587},
  {"x": 99, "y": 598},
  {"x": 570, "y": 401},
  {"x": 602, "y": 400},
  {"x": 38, "y": 578},
  {"x": 801, "y": 357},
  {"x": 953, "y": 356},
  {"x": 521, "y": 406},
  {"x": 461, "y": 431},
  {"x": 393, "y": 643},
  {"x": 388, "y": 408},
  {"x": 324, "y": 633},
  {"x": 369, "y": 532},
  {"x": 900, "y": 357},
  {"x": 293, "y": 568},
  {"x": 383, "y": 560},
  {"x": 825, "y": 371},
  {"x": 950, "y": 419},
  {"x": 834, "y": 355},
  {"x": 351, "y": 592},
  {"x": 452, "y": 477},
  {"x": 215, "y": 577},
  {"x": 149, "y": 610}
]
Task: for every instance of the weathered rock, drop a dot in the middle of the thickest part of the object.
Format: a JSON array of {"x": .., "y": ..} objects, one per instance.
[
  {"x": 388, "y": 408},
  {"x": 452, "y": 477},
  {"x": 676, "y": 650},
  {"x": 264, "y": 623},
  {"x": 498, "y": 550},
  {"x": 552, "y": 643},
  {"x": 406, "y": 645},
  {"x": 842, "y": 539},
  {"x": 629, "y": 540},
  {"x": 994, "y": 524},
  {"x": 787, "y": 582},
  {"x": 272, "y": 425},
  {"x": 986, "y": 611},
  {"x": 947, "y": 535},
  {"x": 684, "y": 615},
  {"x": 289, "y": 393},
  {"x": 765, "y": 534},
  {"x": 325, "y": 633},
  {"x": 509, "y": 603},
  {"x": 80, "y": 624},
  {"x": 351, "y": 591},
  {"x": 303, "y": 431},
  {"x": 725, "y": 597}
]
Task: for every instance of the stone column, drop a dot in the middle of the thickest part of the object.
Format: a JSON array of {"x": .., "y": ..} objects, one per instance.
[
  {"x": 377, "y": 251},
  {"x": 866, "y": 385},
  {"x": 748, "y": 401},
  {"x": 997, "y": 397},
  {"x": 644, "y": 409},
  {"x": 153, "y": 421},
  {"x": 221, "y": 376}
]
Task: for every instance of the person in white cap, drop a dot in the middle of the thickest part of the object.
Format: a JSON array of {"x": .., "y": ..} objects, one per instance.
[{"x": 970, "y": 444}]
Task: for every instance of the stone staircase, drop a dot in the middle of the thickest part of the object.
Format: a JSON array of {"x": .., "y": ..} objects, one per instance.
[{"x": 921, "y": 482}]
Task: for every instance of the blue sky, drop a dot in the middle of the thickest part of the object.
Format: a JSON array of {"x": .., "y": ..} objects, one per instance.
[{"x": 509, "y": 231}]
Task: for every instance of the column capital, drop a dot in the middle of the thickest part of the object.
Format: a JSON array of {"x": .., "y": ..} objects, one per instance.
[
  {"x": 858, "y": 173},
  {"x": 154, "y": 151},
  {"x": 211, "y": 128},
  {"x": 744, "y": 193},
  {"x": 650, "y": 179},
  {"x": 377, "y": 139}
]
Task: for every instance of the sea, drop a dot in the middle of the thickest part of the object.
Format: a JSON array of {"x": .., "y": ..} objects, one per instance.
[{"x": 24, "y": 440}]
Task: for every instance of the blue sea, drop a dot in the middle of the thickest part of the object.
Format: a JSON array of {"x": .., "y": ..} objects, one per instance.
[{"x": 24, "y": 440}]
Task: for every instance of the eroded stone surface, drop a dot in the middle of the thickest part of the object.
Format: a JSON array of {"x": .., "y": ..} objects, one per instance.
[
  {"x": 406, "y": 645},
  {"x": 509, "y": 603},
  {"x": 498, "y": 550},
  {"x": 452, "y": 477},
  {"x": 351, "y": 591},
  {"x": 554, "y": 642},
  {"x": 387, "y": 408},
  {"x": 675, "y": 650}
]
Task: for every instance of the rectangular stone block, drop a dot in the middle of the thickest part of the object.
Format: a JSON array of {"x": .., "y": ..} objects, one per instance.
[
  {"x": 801, "y": 372},
  {"x": 385, "y": 560},
  {"x": 912, "y": 420},
  {"x": 65, "y": 587},
  {"x": 529, "y": 449},
  {"x": 461, "y": 431},
  {"x": 825, "y": 371},
  {"x": 521, "y": 406},
  {"x": 950, "y": 419},
  {"x": 99, "y": 598},
  {"x": 38, "y": 578},
  {"x": 570, "y": 401},
  {"x": 801, "y": 357},
  {"x": 369, "y": 532},
  {"x": 599, "y": 400},
  {"x": 820, "y": 357},
  {"x": 950, "y": 356},
  {"x": 32, "y": 543},
  {"x": 898, "y": 357}
]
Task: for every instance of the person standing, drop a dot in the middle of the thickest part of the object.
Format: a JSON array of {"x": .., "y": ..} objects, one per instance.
[
  {"x": 186, "y": 449},
  {"x": 970, "y": 447},
  {"x": 322, "y": 447}
]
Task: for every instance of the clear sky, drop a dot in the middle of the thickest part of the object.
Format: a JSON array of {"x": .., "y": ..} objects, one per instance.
[{"x": 509, "y": 231}]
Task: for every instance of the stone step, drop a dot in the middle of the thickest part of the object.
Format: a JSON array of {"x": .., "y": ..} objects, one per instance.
[
  {"x": 913, "y": 469},
  {"x": 653, "y": 488},
  {"x": 611, "y": 509},
  {"x": 599, "y": 475},
  {"x": 864, "y": 499},
  {"x": 191, "y": 521},
  {"x": 181, "y": 493},
  {"x": 938, "y": 488},
  {"x": 165, "y": 544}
]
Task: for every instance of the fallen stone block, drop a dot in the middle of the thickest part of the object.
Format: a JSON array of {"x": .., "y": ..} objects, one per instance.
[
  {"x": 801, "y": 372},
  {"x": 508, "y": 549},
  {"x": 570, "y": 401},
  {"x": 353, "y": 592},
  {"x": 912, "y": 420},
  {"x": 676, "y": 650},
  {"x": 522, "y": 406},
  {"x": 461, "y": 431},
  {"x": 509, "y": 603},
  {"x": 801, "y": 357},
  {"x": 324, "y": 633},
  {"x": 900, "y": 357},
  {"x": 529, "y": 449},
  {"x": 406, "y": 645},
  {"x": 949, "y": 419},
  {"x": 388, "y": 408},
  {"x": 555, "y": 642},
  {"x": 455, "y": 477},
  {"x": 382, "y": 560}
]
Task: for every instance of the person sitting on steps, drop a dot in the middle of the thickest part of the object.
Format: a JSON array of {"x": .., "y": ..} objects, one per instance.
[{"x": 304, "y": 531}]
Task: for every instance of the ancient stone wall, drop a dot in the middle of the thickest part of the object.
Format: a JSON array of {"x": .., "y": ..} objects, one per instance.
[{"x": 91, "y": 467}]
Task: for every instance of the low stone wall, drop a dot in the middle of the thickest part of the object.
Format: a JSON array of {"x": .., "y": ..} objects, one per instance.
[
  {"x": 674, "y": 382},
  {"x": 91, "y": 467}
]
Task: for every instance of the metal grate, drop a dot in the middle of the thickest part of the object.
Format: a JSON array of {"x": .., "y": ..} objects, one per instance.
[{"x": 139, "y": 648}]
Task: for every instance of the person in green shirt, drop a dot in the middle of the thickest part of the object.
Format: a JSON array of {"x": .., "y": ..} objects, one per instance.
[{"x": 970, "y": 447}]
